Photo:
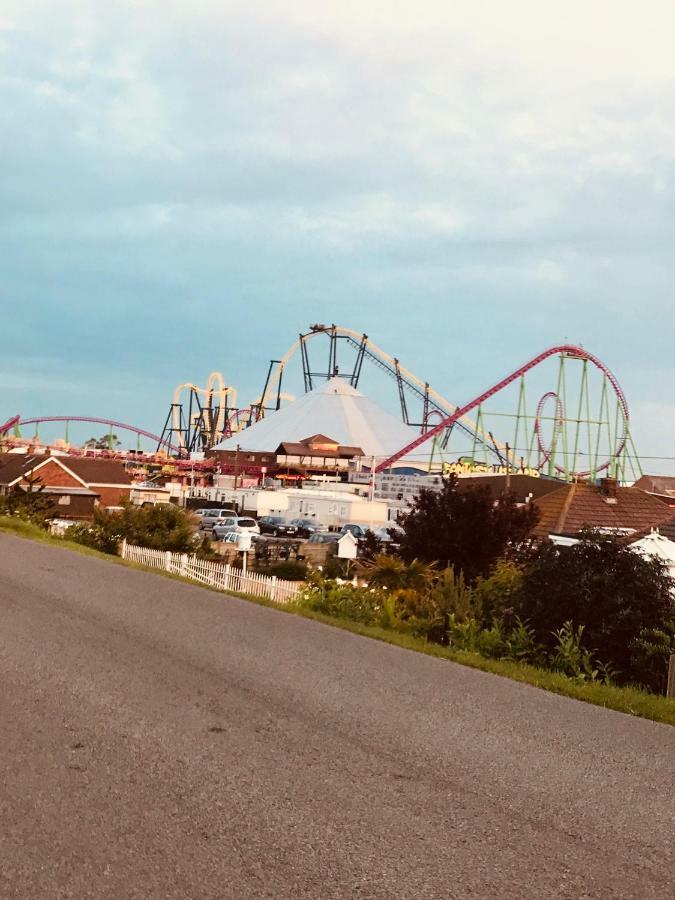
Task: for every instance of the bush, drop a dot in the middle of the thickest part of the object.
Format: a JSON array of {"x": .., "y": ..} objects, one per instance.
[
  {"x": 619, "y": 597},
  {"x": 496, "y": 596},
  {"x": 344, "y": 601},
  {"x": 165, "y": 527},
  {"x": 289, "y": 570},
  {"x": 32, "y": 504}
]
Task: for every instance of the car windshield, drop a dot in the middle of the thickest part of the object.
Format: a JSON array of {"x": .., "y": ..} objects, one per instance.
[{"x": 247, "y": 523}]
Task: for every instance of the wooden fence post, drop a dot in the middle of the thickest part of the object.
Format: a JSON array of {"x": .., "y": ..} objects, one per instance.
[
  {"x": 670, "y": 689},
  {"x": 167, "y": 560}
]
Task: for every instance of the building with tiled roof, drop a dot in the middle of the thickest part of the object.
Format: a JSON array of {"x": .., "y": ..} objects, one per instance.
[
  {"x": 623, "y": 510},
  {"x": 106, "y": 478}
]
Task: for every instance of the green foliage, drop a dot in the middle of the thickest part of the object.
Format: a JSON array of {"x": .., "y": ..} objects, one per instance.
[
  {"x": 164, "y": 527},
  {"x": 464, "y": 527},
  {"x": 31, "y": 504},
  {"x": 371, "y": 546},
  {"x": 649, "y": 653},
  {"x": 334, "y": 567},
  {"x": 618, "y": 596},
  {"x": 343, "y": 600},
  {"x": 520, "y": 645},
  {"x": 568, "y": 655},
  {"x": 288, "y": 570},
  {"x": 496, "y": 596},
  {"x": 392, "y": 573}
]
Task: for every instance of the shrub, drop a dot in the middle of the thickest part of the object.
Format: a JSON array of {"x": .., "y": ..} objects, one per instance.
[
  {"x": 496, "y": 596},
  {"x": 649, "y": 653},
  {"x": 164, "y": 527},
  {"x": 289, "y": 570},
  {"x": 618, "y": 596},
  {"x": 343, "y": 600},
  {"x": 32, "y": 504}
]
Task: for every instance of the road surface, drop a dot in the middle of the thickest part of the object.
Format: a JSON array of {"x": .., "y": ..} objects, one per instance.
[{"x": 159, "y": 740}]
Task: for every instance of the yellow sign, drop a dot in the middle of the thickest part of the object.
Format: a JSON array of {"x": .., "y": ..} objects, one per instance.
[{"x": 470, "y": 467}]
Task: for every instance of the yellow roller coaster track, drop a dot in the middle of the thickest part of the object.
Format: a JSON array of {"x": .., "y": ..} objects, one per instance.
[{"x": 392, "y": 363}]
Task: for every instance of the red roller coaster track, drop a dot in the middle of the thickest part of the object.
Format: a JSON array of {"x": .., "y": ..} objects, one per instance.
[
  {"x": 567, "y": 349},
  {"x": 111, "y": 423}
]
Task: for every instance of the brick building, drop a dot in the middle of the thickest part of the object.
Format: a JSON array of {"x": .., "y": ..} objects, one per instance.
[{"x": 104, "y": 480}]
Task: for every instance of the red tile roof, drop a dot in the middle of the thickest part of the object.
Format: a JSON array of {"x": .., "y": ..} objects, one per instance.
[{"x": 576, "y": 506}]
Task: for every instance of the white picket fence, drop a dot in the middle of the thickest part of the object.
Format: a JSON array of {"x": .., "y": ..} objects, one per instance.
[{"x": 214, "y": 574}]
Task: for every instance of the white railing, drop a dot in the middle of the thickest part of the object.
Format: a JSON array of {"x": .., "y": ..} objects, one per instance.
[{"x": 214, "y": 574}]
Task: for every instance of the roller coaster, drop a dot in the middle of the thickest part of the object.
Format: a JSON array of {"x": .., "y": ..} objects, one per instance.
[{"x": 579, "y": 427}]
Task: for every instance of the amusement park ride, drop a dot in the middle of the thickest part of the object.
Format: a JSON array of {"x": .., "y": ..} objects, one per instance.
[{"x": 578, "y": 428}]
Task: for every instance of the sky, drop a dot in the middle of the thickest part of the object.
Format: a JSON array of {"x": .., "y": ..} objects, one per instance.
[{"x": 186, "y": 186}]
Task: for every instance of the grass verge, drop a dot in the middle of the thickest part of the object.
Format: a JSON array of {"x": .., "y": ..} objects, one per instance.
[{"x": 628, "y": 700}]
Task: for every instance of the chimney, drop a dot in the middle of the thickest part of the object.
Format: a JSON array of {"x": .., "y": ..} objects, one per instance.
[{"x": 608, "y": 489}]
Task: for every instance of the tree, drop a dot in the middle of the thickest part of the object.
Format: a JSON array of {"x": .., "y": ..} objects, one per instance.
[
  {"x": 29, "y": 502},
  {"x": 623, "y": 600},
  {"x": 466, "y": 529},
  {"x": 105, "y": 442}
]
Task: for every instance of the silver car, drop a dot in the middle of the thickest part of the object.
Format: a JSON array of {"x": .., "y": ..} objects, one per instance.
[
  {"x": 235, "y": 525},
  {"x": 213, "y": 517}
]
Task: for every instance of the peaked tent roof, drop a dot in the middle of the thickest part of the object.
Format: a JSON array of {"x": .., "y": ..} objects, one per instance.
[{"x": 336, "y": 409}]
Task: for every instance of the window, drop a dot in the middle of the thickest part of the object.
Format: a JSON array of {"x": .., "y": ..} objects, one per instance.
[{"x": 64, "y": 500}]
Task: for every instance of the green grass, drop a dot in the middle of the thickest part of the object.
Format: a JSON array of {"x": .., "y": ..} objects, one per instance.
[{"x": 623, "y": 699}]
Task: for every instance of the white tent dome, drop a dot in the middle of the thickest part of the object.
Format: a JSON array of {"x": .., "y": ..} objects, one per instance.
[{"x": 336, "y": 410}]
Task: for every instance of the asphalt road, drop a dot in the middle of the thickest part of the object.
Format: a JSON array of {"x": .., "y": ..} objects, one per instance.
[{"x": 158, "y": 740}]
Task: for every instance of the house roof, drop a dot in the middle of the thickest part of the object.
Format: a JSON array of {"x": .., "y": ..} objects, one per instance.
[
  {"x": 657, "y": 484},
  {"x": 576, "y": 506},
  {"x": 70, "y": 491},
  {"x": 335, "y": 408},
  {"x": 97, "y": 471},
  {"x": 318, "y": 446},
  {"x": 14, "y": 466}
]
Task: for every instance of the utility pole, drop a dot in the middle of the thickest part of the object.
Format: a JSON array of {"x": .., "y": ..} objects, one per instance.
[
  {"x": 670, "y": 688},
  {"x": 508, "y": 467},
  {"x": 236, "y": 466}
]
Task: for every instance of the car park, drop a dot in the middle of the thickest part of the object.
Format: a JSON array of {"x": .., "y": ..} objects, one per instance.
[
  {"x": 235, "y": 525},
  {"x": 214, "y": 517}
]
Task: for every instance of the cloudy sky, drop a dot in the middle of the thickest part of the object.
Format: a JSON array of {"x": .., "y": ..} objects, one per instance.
[{"x": 186, "y": 186}]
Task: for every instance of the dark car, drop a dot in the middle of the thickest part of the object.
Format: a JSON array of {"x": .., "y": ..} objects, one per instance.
[
  {"x": 325, "y": 537},
  {"x": 277, "y": 526},
  {"x": 305, "y": 528},
  {"x": 358, "y": 531}
]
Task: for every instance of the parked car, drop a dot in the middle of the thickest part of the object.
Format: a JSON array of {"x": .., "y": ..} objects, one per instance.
[
  {"x": 388, "y": 534},
  {"x": 306, "y": 527},
  {"x": 358, "y": 531},
  {"x": 325, "y": 537},
  {"x": 277, "y": 526},
  {"x": 215, "y": 516},
  {"x": 198, "y": 513},
  {"x": 235, "y": 525}
]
